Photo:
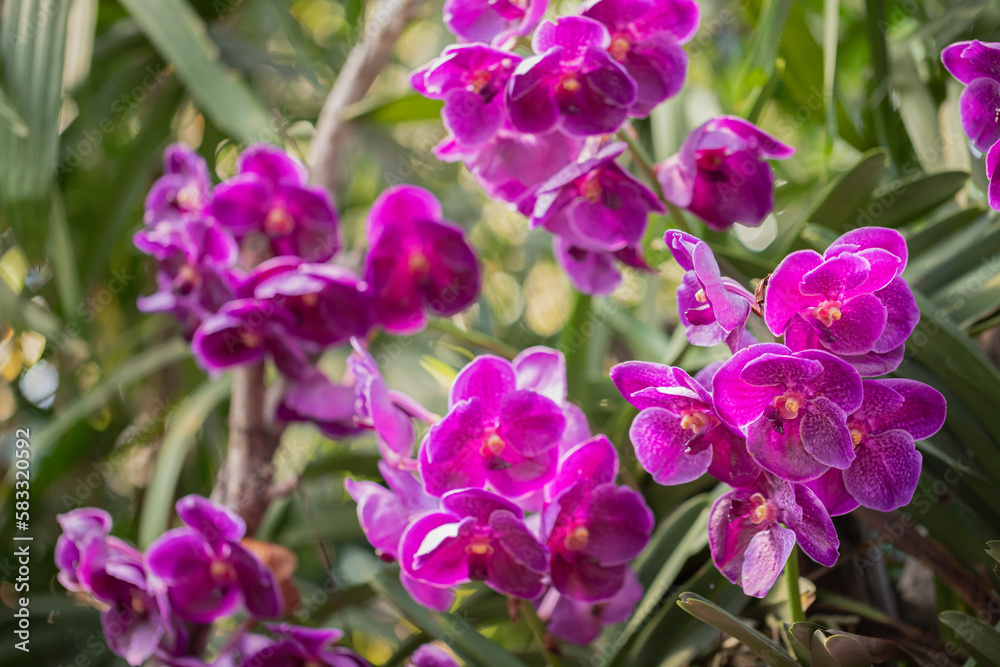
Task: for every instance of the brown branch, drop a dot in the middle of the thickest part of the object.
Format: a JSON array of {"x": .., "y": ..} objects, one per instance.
[
  {"x": 366, "y": 60},
  {"x": 244, "y": 481}
]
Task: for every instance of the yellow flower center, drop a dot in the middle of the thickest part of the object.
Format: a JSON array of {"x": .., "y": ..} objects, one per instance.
[
  {"x": 827, "y": 312},
  {"x": 418, "y": 264},
  {"x": 619, "y": 48},
  {"x": 493, "y": 445},
  {"x": 697, "y": 421},
  {"x": 788, "y": 404},
  {"x": 479, "y": 80},
  {"x": 570, "y": 84},
  {"x": 310, "y": 300},
  {"x": 222, "y": 572},
  {"x": 856, "y": 436},
  {"x": 591, "y": 189},
  {"x": 700, "y": 297},
  {"x": 279, "y": 222},
  {"x": 479, "y": 547},
  {"x": 189, "y": 197},
  {"x": 189, "y": 275},
  {"x": 138, "y": 603},
  {"x": 251, "y": 338},
  {"x": 577, "y": 539},
  {"x": 761, "y": 510}
]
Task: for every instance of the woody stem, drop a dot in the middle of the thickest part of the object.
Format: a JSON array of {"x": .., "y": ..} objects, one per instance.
[
  {"x": 795, "y": 612},
  {"x": 549, "y": 648}
]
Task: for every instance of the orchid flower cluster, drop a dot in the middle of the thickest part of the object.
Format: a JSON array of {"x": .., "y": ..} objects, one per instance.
[
  {"x": 977, "y": 65},
  {"x": 156, "y": 603},
  {"x": 801, "y": 430},
  {"x": 508, "y": 488},
  {"x": 534, "y": 128},
  {"x": 245, "y": 265}
]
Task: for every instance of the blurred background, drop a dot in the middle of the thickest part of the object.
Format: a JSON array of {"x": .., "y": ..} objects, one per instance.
[{"x": 120, "y": 417}]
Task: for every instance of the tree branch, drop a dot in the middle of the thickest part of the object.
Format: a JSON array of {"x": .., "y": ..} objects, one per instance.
[{"x": 364, "y": 63}]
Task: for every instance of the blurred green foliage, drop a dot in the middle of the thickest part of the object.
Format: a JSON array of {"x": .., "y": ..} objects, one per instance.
[{"x": 121, "y": 418}]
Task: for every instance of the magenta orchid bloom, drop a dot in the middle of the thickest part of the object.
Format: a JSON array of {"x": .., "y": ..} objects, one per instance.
[
  {"x": 593, "y": 527},
  {"x": 296, "y": 646},
  {"x": 512, "y": 165},
  {"x": 572, "y": 83},
  {"x": 471, "y": 79},
  {"x": 595, "y": 204},
  {"x": 596, "y": 272},
  {"x": 721, "y": 175},
  {"x": 270, "y": 197},
  {"x": 977, "y": 65},
  {"x": 182, "y": 192},
  {"x": 677, "y": 435},
  {"x": 646, "y": 38},
  {"x": 581, "y": 622},
  {"x": 751, "y": 532},
  {"x": 328, "y": 303},
  {"x": 792, "y": 407},
  {"x": 478, "y": 536},
  {"x": 429, "y": 655},
  {"x": 712, "y": 308},
  {"x": 78, "y": 527},
  {"x": 894, "y": 414},
  {"x": 495, "y": 21},
  {"x": 246, "y": 331},
  {"x": 502, "y": 429},
  {"x": 852, "y": 300},
  {"x": 205, "y": 572},
  {"x": 417, "y": 262}
]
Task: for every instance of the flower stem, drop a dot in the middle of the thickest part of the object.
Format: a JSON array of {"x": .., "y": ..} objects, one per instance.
[
  {"x": 795, "y": 612},
  {"x": 549, "y": 647},
  {"x": 646, "y": 165}
]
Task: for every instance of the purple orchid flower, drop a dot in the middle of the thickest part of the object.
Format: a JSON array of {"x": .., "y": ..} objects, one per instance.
[
  {"x": 512, "y": 164},
  {"x": 269, "y": 198},
  {"x": 378, "y": 407},
  {"x": 993, "y": 174},
  {"x": 136, "y": 623},
  {"x": 471, "y": 79},
  {"x": 296, "y": 646},
  {"x": 677, "y": 435},
  {"x": 497, "y": 432},
  {"x": 572, "y": 83},
  {"x": 184, "y": 189},
  {"x": 792, "y": 407},
  {"x": 894, "y": 414},
  {"x": 720, "y": 173},
  {"x": 581, "y": 622},
  {"x": 852, "y": 298},
  {"x": 977, "y": 65},
  {"x": 595, "y": 204},
  {"x": 328, "y": 303},
  {"x": 429, "y": 655},
  {"x": 646, "y": 38},
  {"x": 195, "y": 274},
  {"x": 712, "y": 308},
  {"x": 478, "y": 536},
  {"x": 205, "y": 572},
  {"x": 78, "y": 526},
  {"x": 314, "y": 398},
  {"x": 596, "y": 272},
  {"x": 243, "y": 332},
  {"x": 496, "y": 21},
  {"x": 751, "y": 532},
  {"x": 593, "y": 527},
  {"x": 417, "y": 262},
  {"x": 385, "y": 513}
]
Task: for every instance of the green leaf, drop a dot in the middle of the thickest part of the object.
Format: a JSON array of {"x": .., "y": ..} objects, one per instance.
[
  {"x": 922, "y": 238},
  {"x": 157, "y": 505},
  {"x": 838, "y": 651},
  {"x": 719, "y": 618},
  {"x": 646, "y": 342},
  {"x": 181, "y": 37},
  {"x": 137, "y": 368},
  {"x": 799, "y": 637},
  {"x": 11, "y": 118},
  {"x": 408, "y": 108},
  {"x": 763, "y": 49},
  {"x": 842, "y": 203},
  {"x": 458, "y": 631},
  {"x": 908, "y": 199},
  {"x": 32, "y": 40},
  {"x": 980, "y": 640}
]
